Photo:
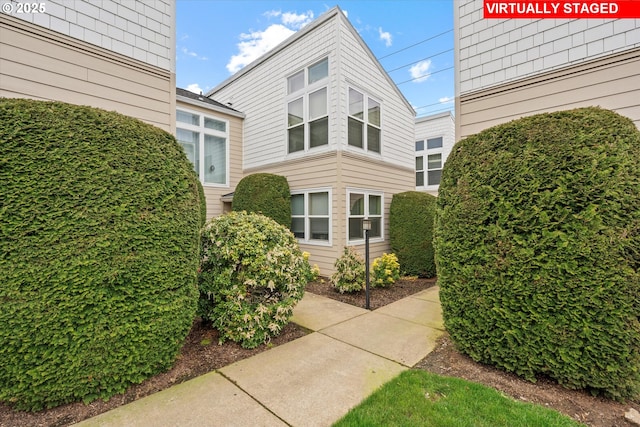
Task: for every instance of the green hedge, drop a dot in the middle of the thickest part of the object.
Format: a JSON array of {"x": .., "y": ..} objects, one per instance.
[
  {"x": 252, "y": 274},
  {"x": 538, "y": 249},
  {"x": 411, "y": 217},
  {"x": 99, "y": 243},
  {"x": 266, "y": 194}
]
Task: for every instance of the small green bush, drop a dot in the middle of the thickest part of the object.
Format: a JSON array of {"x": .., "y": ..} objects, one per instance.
[
  {"x": 266, "y": 194},
  {"x": 538, "y": 249},
  {"x": 252, "y": 274},
  {"x": 203, "y": 204},
  {"x": 99, "y": 252},
  {"x": 411, "y": 217},
  {"x": 349, "y": 275},
  {"x": 385, "y": 271}
]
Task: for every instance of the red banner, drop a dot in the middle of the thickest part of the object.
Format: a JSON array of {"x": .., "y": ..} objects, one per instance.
[{"x": 536, "y": 9}]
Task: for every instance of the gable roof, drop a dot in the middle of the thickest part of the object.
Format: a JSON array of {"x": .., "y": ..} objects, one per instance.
[
  {"x": 328, "y": 15},
  {"x": 195, "y": 99}
]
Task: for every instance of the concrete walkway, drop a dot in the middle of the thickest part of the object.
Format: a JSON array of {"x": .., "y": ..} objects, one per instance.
[{"x": 312, "y": 381}]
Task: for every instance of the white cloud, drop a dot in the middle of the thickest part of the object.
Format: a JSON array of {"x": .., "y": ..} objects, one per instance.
[
  {"x": 420, "y": 71},
  {"x": 193, "y": 54},
  {"x": 257, "y": 43},
  {"x": 445, "y": 99},
  {"x": 195, "y": 88},
  {"x": 385, "y": 36}
]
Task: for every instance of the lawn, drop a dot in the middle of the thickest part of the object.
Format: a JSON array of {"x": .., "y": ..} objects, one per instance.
[{"x": 419, "y": 398}]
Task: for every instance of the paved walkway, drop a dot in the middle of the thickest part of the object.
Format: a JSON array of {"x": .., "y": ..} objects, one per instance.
[{"x": 312, "y": 381}]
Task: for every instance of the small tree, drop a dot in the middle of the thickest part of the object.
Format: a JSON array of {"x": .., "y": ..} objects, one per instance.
[
  {"x": 411, "y": 217},
  {"x": 264, "y": 193}
]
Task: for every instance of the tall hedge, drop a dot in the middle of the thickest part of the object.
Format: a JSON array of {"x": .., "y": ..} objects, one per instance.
[
  {"x": 99, "y": 252},
  {"x": 411, "y": 217},
  {"x": 538, "y": 249},
  {"x": 264, "y": 193}
]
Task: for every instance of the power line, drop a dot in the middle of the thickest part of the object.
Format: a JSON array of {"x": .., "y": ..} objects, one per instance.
[
  {"x": 415, "y": 44},
  {"x": 426, "y": 75},
  {"x": 420, "y": 60}
]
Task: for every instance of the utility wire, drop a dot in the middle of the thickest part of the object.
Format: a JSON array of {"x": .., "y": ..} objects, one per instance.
[
  {"x": 415, "y": 44},
  {"x": 426, "y": 75},
  {"x": 420, "y": 60}
]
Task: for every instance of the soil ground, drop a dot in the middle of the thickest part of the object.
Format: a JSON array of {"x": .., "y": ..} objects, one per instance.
[{"x": 201, "y": 353}]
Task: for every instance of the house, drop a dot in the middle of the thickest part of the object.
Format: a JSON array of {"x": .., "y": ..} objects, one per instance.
[
  {"x": 434, "y": 139},
  {"x": 320, "y": 110},
  {"x": 510, "y": 68},
  {"x": 110, "y": 54},
  {"x": 211, "y": 135}
]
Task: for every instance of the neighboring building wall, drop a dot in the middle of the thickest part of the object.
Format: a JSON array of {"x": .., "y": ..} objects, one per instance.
[
  {"x": 112, "y": 55},
  {"x": 434, "y": 139},
  {"x": 233, "y": 156},
  {"x": 509, "y": 68}
]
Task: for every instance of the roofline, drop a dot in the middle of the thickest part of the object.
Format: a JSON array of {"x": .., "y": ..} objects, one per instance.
[
  {"x": 435, "y": 116},
  {"x": 326, "y": 16},
  {"x": 211, "y": 107}
]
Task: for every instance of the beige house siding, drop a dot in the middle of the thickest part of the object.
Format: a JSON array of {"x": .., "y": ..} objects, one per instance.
[
  {"x": 611, "y": 82},
  {"x": 39, "y": 63}
]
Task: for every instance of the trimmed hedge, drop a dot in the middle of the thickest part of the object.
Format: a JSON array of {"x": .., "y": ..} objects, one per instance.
[
  {"x": 264, "y": 193},
  {"x": 99, "y": 243},
  {"x": 411, "y": 217},
  {"x": 252, "y": 274},
  {"x": 538, "y": 249}
]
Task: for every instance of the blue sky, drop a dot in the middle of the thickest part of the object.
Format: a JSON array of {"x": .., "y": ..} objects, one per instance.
[{"x": 412, "y": 39}]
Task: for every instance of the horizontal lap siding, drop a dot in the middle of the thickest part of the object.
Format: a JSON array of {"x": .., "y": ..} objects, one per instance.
[
  {"x": 612, "y": 83},
  {"x": 40, "y": 64}
]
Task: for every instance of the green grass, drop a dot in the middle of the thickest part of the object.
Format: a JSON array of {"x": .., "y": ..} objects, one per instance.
[{"x": 419, "y": 398}]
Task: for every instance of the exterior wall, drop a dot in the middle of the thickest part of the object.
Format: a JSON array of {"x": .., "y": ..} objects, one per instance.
[
  {"x": 515, "y": 67},
  {"x": 214, "y": 193},
  {"x": 433, "y": 126},
  {"x": 57, "y": 56}
]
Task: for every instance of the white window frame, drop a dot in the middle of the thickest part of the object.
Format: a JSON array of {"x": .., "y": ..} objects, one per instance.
[
  {"x": 307, "y": 217},
  {"x": 304, "y": 94},
  {"x": 202, "y": 131},
  {"x": 366, "y": 193},
  {"x": 425, "y": 153},
  {"x": 365, "y": 121}
]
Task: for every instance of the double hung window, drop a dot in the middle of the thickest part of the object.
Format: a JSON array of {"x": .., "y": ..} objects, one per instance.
[
  {"x": 205, "y": 142},
  {"x": 363, "y": 121},
  {"x": 307, "y": 110},
  {"x": 428, "y": 162},
  {"x": 365, "y": 204},
  {"x": 310, "y": 216}
]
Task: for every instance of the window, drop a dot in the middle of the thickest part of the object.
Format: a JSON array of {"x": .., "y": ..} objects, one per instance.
[
  {"x": 307, "y": 111},
  {"x": 204, "y": 140},
  {"x": 310, "y": 216},
  {"x": 365, "y": 204},
  {"x": 363, "y": 121},
  {"x": 431, "y": 174}
]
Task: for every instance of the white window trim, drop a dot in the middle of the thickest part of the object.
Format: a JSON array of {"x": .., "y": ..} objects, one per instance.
[
  {"x": 425, "y": 161},
  {"x": 307, "y": 230},
  {"x": 367, "y": 193},
  {"x": 365, "y": 121},
  {"x": 201, "y": 132},
  {"x": 304, "y": 93}
]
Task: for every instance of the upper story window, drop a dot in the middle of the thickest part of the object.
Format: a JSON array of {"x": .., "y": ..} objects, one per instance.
[
  {"x": 307, "y": 110},
  {"x": 310, "y": 216},
  {"x": 363, "y": 121},
  {"x": 365, "y": 204},
  {"x": 205, "y": 142},
  {"x": 429, "y": 162}
]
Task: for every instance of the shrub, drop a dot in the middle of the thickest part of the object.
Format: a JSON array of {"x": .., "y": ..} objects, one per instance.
[
  {"x": 100, "y": 220},
  {"x": 203, "y": 204},
  {"x": 312, "y": 273},
  {"x": 385, "y": 271},
  {"x": 252, "y": 274},
  {"x": 411, "y": 217},
  {"x": 266, "y": 194},
  {"x": 349, "y": 275},
  {"x": 538, "y": 248}
]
